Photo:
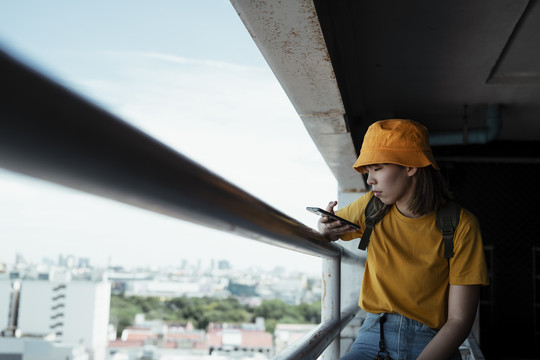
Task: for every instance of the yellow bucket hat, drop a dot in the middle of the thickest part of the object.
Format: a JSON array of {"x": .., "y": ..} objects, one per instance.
[{"x": 396, "y": 141}]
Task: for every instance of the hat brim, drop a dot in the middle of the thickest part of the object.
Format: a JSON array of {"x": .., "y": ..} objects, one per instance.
[{"x": 403, "y": 158}]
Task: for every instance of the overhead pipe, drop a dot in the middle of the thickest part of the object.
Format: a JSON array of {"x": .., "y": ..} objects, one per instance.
[{"x": 471, "y": 136}]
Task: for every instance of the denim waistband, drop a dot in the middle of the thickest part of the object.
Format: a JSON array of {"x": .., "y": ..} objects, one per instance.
[
  {"x": 394, "y": 320},
  {"x": 404, "y": 338}
]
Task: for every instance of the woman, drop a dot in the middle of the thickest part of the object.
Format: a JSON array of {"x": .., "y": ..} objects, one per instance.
[{"x": 419, "y": 304}]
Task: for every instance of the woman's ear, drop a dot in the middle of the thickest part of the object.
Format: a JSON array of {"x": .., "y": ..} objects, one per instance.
[{"x": 411, "y": 170}]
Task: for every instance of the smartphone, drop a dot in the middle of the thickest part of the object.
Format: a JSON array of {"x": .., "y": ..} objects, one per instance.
[{"x": 322, "y": 212}]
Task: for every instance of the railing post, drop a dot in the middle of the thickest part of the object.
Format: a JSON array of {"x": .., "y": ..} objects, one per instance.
[{"x": 331, "y": 301}]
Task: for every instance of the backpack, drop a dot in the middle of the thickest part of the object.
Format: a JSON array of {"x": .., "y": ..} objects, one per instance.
[{"x": 447, "y": 221}]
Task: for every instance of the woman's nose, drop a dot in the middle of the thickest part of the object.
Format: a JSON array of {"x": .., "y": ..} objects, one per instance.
[{"x": 370, "y": 180}]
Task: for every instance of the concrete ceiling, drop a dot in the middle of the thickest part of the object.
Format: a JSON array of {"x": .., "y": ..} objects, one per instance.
[{"x": 345, "y": 64}]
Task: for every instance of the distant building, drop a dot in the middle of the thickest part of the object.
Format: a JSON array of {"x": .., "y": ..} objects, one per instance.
[
  {"x": 172, "y": 337},
  {"x": 157, "y": 336},
  {"x": 68, "y": 312},
  {"x": 84, "y": 263},
  {"x": 242, "y": 289},
  {"x": 244, "y": 340},
  {"x": 67, "y": 261},
  {"x": 166, "y": 289},
  {"x": 30, "y": 349},
  {"x": 19, "y": 259},
  {"x": 229, "y": 339},
  {"x": 224, "y": 265}
]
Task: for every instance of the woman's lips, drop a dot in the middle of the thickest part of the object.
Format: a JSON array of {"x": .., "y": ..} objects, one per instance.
[{"x": 377, "y": 193}]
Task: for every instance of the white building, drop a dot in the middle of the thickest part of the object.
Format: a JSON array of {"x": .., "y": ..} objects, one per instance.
[
  {"x": 162, "y": 288},
  {"x": 39, "y": 349},
  {"x": 75, "y": 312}
]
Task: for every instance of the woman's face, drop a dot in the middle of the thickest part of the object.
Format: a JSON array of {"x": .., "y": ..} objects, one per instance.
[{"x": 392, "y": 184}]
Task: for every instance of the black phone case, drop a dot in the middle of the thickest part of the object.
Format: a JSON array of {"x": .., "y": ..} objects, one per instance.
[{"x": 322, "y": 212}]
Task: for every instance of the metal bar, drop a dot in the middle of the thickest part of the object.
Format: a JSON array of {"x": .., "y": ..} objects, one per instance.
[
  {"x": 312, "y": 344},
  {"x": 351, "y": 257},
  {"x": 474, "y": 348},
  {"x": 331, "y": 302},
  {"x": 48, "y": 132}
]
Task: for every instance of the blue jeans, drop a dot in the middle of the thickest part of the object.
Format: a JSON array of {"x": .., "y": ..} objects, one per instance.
[{"x": 404, "y": 338}]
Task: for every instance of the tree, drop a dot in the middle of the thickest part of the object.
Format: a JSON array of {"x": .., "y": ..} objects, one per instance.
[
  {"x": 275, "y": 309},
  {"x": 311, "y": 313},
  {"x": 202, "y": 311}
]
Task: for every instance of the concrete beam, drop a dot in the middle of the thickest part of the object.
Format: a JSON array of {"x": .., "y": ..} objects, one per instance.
[{"x": 289, "y": 36}]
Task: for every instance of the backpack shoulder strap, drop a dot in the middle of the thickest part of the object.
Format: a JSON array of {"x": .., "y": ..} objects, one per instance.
[
  {"x": 447, "y": 221},
  {"x": 370, "y": 223}
]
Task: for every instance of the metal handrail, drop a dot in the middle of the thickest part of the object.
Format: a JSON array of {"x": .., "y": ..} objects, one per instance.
[
  {"x": 49, "y": 132},
  {"x": 312, "y": 344},
  {"x": 472, "y": 349}
]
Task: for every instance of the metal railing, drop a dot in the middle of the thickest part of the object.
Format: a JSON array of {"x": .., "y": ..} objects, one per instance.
[
  {"x": 49, "y": 132},
  {"x": 470, "y": 350}
]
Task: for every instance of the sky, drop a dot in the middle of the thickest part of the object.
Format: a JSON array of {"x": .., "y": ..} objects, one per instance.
[{"x": 189, "y": 74}]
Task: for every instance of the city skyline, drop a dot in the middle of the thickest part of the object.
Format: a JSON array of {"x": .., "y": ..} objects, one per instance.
[
  {"x": 73, "y": 261},
  {"x": 189, "y": 75}
]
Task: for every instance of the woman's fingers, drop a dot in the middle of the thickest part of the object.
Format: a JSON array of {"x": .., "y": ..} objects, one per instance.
[{"x": 330, "y": 206}]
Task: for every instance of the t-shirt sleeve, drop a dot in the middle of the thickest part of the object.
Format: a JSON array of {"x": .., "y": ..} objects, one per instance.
[
  {"x": 354, "y": 212},
  {"x": 468, "y": 265}
]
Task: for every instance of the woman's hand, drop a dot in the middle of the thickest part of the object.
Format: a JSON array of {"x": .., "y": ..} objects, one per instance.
[{"x": 330, "y": 228}]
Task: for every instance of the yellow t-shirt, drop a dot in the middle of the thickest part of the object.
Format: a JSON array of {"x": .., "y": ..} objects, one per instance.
[{"x": 406, "y": 271}]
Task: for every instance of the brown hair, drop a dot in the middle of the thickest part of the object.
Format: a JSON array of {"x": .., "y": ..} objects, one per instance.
[{"x": 430, "y": 192}]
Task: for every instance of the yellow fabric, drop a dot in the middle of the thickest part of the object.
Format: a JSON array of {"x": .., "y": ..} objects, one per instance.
[{"x": 406, "y": 271}]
